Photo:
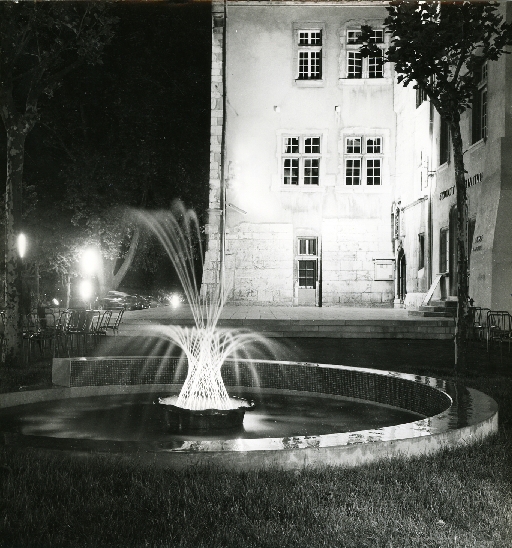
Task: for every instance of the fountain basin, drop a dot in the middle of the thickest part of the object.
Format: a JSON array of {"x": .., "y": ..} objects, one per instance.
[
  {"x": 453, "y": 415},
  {"x": 180, "y": 419}
]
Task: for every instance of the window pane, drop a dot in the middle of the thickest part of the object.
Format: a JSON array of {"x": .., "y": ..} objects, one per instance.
[
  {"x": 303, "y": 65},
  {"x": 373, "y": 145},
  {"x": 312, "y": 145},
  {"x": 352, "y": 36},
  {"x": 377, "y": 36},
  {"x": 443, "y": 257},
  {"x": 311, "y": 171},
  {"x": 353, "y": 171},
  {"x": 316, "y": 64},
  {"x": 444, "y": 142},
  {"x": 353, "y": 145},
  {"x": 291, "y": 171},
  {"x": 291, "y": 145},
  {"x": 307, "y": 274},
  {"x": 310, "y": 38},
  {"x": 483, "y": 108},
  {"x": 373, "y": 171},
  {"x": 307, "y": 246},
  {"x": 354, "y": 65},
  {"x": 375, "y": 67}
]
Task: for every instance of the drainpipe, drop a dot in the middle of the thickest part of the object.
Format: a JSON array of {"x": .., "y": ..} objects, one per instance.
[{"x": 222, "y": 227}]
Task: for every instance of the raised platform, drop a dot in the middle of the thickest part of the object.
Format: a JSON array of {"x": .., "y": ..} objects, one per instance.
[{"x": 331, "y": 322}]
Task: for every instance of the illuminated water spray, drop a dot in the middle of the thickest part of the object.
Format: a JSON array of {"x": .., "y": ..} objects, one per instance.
[{"x": 206, "y": 346}]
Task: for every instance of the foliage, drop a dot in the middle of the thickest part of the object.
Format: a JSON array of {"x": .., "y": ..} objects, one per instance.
[{"x": 440, "y": 47}]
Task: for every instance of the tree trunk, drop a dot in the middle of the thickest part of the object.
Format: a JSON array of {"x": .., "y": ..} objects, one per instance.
[
  {"x": 461, "y": 324},
  {"x": 13, "y": 210}
]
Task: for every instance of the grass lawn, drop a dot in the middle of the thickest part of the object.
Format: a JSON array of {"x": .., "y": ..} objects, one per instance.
[{"x": 460, "y": 497}]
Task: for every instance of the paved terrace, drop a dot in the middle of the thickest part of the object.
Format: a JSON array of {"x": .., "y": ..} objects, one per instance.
[{"x": 302, "y": 321}]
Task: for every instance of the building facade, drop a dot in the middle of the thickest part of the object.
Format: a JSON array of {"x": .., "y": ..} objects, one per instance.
[{"x": 329, "y": 183}]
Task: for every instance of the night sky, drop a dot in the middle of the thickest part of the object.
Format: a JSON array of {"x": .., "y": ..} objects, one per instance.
[{"x": 148, "y": 104}]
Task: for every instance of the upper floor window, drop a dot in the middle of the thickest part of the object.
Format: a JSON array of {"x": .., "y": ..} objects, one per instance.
[
  {"x": 421, "y": 96},
  {"x": 444, "y": 142},
  {"x": 363, "y": 160},
  {"x": 301, "y": 155},
  {"x": 359, "y": 67},
  {"x": 479, "y": 106},
  {"x": 309, "y": 54}
]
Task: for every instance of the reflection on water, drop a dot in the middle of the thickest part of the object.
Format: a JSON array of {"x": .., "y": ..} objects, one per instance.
[{"x": 136, "y": 417}]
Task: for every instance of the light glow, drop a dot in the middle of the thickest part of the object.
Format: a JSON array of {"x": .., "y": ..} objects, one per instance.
[
  {"x": 86, "y": 290},
  {"x": 90, "y": 261},
  {"x": 22, "y": 245}
]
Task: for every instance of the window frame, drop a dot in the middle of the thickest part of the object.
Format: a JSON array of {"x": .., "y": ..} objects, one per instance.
[
  {"x": 306, "y": 174},
  {"x": 444, "y": 250},
  {"x": 368, "y": 65},
  {"x": 308, "y": 256},
  {"x": 479, "y": 107},
  {"x": 308, "y": 50},
  {"x": 363, "y": 156}
]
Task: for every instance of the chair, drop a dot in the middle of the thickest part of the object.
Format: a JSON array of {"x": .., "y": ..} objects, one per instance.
[
  {"x": 103, "y": 322},
  {"x": 45, "y": 335},
  {"x": 116, "y": 320},
  {"x": 479, "y": 322},
  {"x": 499, "y": 328}
]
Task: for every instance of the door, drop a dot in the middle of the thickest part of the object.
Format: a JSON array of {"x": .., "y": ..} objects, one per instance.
[
  {"x": 402, "y": 276},
  {"x": 453, "y": 263},
  {"x": 307, "y": 272}
]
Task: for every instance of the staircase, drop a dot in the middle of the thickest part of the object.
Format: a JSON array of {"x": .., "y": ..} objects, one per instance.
[{"x": 437, "y": 309}]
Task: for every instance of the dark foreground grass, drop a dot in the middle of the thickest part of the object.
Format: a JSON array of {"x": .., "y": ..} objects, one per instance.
[{"x": 460, "y": 497}]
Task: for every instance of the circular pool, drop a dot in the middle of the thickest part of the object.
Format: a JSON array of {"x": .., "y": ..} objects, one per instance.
[{"x": 305, "y": 414}]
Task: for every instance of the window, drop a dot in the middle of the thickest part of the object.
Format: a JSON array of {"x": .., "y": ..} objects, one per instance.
[
  {"x": 443, "y": 250},
  {"x": 479, "y": 106},
  {"x": 421, "y": 251},
  {"x": 309, "y": 54},
  {"x": 363, "y": 160},
  {"x": 301, "y": 160},
  {"x": 359, "y": 67},
  {"x": 307, "y": 267},
  {"x": 421, "y": 96},
  {"x": 307, "y": 246},
  {"x": 471, "y": 234},
  {"x": 444, "y": 142}
]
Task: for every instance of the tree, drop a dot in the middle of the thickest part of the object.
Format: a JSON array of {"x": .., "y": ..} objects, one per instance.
[
  {"x": 440, "y": 47},
  {"x": 40, "y": 43}
]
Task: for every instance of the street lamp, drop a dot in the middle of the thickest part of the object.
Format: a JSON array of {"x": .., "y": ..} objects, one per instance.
[
  {"x": 90, "y": 261},
  {"x": 22, "y": 245},
  {"x": 86, "y": 291}
]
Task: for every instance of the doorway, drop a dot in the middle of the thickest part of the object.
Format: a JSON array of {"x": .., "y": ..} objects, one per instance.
[
  {"x": 453, "y": 263},
  {"x": 307, "y": 271},
  {"x": 402, "y": 276}
]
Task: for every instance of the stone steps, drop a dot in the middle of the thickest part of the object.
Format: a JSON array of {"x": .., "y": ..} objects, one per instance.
[{"x": 342, "y": 329}]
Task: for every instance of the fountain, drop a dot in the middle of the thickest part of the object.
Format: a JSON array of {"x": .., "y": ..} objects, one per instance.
[
  {"x": 203, "y": 402},
  {"x": 302, "y": 414}
]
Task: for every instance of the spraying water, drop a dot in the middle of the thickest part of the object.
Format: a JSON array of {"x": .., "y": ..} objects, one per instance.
[{"x": 206, "y": 346}]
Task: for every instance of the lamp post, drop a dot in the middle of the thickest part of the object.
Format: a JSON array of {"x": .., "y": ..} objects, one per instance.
[
  {"x": 90, "y": 264},
  {"x": 22, "y": 250}
]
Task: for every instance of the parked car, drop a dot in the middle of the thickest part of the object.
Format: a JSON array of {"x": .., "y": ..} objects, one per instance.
[{"x": 113, "y": 299}]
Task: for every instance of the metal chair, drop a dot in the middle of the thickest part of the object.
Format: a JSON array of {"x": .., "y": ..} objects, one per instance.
[
  {"x": 116, "y": 320},
  {"x": 499, "y": 328},
  {"x": 479, "y": 322}
]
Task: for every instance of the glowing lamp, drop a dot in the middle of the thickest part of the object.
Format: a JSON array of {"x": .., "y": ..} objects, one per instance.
[
  {"x": 22, "y": 245},
  {"x": 86, "y": 290}
]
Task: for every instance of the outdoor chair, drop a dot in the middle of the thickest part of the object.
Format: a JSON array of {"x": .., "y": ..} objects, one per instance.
[
  {"x": 44, "y": 337},
  {"x": 479, "y": 323},
  {"x": 499, "y": 328},
  {"x": 117, "y": 314}
]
